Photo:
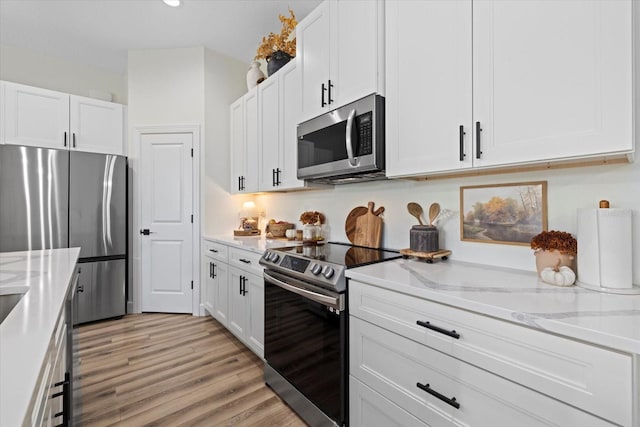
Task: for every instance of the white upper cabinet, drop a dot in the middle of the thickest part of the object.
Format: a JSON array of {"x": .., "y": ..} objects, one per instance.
[
  {"x": 340, "y": 52},
  {"x": 279, "y": 110},
  {"x": 544, "y": 81},
  {"x": 45, "y": 118},
  {"x": 552, "y": 80},
  {"x": 35, "y": 117},
  {"x": 428, "y": 102},
  {"x": 96, "y": 126},
  {"x": 244, "y": 143}
]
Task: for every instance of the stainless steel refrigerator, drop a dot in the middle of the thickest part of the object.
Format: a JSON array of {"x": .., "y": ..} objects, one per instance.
[{"x": 56, "y": 199}]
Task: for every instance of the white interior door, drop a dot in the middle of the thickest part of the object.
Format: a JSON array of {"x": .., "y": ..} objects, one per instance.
[{"x": 166, "y": 200}]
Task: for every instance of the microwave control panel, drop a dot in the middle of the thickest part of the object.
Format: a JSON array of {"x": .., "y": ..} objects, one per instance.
[{"x": 365, "y": 134}]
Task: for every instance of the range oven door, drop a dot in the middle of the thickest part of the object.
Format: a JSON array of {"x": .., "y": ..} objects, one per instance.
[{"x": 305, "y": 341}]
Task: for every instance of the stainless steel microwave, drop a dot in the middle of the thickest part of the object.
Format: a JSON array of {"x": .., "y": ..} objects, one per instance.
[{"x": 344, "y": 145}]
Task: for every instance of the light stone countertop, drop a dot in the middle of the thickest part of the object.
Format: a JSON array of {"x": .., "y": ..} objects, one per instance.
[
  {"x": 26, "y": 332},
  {"x": 516, "y": 296},
  {"x": 256, "y": 244}
]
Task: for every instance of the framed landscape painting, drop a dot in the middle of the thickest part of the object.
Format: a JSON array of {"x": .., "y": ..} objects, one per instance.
[{"x": 504, "y": 213}]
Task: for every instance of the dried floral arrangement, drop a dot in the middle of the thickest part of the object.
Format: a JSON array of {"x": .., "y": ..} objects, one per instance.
[
  {"x": 312, "y": 217},
  {"x": 561, "y": 241},
  {"x": 275, "y": 42}
]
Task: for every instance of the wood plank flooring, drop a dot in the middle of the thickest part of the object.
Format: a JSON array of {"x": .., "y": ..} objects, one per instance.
[{"x": 172, "y": 370}]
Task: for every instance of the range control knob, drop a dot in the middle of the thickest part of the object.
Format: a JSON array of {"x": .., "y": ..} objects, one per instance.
[
  {"x": 316, "y": 269},
  {"x": 266, "y": 255},
  {"x": 275, "y": 257},
  {"x": 328, "y": 271}
]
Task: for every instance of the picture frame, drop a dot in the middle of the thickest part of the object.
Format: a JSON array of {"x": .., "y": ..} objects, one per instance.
[{"x": 508, "y": 214}]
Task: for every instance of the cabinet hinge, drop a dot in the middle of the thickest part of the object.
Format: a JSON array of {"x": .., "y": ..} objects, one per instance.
[
  {"x": 191, "y": 218},
  {"x": 192, "y": 284},
  {"x": 192, "y": 152}
]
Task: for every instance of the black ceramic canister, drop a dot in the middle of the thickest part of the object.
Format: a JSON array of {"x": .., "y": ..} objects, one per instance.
[{"x": 424, "y": 238}]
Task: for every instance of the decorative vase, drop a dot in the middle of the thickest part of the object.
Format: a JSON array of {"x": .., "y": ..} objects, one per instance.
[
  {"x": 276, "y": 61},
  {"x": 546, "y": 259},
  {"x": 254, "y": 75}
]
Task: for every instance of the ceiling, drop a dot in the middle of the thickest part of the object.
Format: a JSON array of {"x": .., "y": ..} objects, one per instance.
[{"x": 100, "y": 32}]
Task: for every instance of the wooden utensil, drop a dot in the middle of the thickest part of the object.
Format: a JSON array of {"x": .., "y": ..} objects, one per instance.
[
  {"x": 350, "y": 223},
  {"x": 368, "y": 229},
  {"x": 415, "y": 210},
  {"x": 434, "y": 211}
]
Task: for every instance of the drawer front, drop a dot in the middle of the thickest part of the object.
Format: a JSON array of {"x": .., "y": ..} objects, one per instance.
[
  {"x": 245, "y": 260},
  {"x": 216, "y": 250},
  {"x": 428, "y": 384},
  {"x": 589, "y": 377},
  {"x": 369, "y": 409}
]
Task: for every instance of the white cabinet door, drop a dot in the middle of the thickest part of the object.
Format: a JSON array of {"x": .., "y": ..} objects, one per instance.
[
  {"x": 357, "y": 46},
  {"x": 255, "y": 301},
  {"x": 237, "y": 303},
  {"x": 236, "y": 113},
  {"x": 207, "y": 286},
  {"x": 220, "y": 291},
  {"x": 250, "y": 184},
  {"x": 96, "y": 126},
  {"x": 552, "y": 79},
  {"x": 269, "y": 125},
  {"x": 244, "y": 143},
  {"x": 428, "y": 81},
  {"x": 290, "y": 109},
  {"x": 313, "y": 51},
  {"x": 35, "y": 117}
]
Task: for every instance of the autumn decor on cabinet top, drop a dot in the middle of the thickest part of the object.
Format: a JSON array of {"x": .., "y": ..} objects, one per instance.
[
  {"x": 278, "y": 49},
  {"x": 555, "y": 252}
]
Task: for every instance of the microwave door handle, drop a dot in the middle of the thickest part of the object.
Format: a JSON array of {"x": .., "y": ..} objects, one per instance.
[{"x": 352, "y": 161}]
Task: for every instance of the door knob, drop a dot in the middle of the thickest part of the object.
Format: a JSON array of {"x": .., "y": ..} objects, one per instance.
[{"x": 145, "y": 232}]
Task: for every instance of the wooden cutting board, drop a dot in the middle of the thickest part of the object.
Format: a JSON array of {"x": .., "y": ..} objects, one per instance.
[
  {"x": 368, "y": 229},
  {"x": 350, "y": 223}
]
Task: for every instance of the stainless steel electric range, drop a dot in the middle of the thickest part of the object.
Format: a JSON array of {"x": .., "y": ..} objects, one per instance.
[{"x": 306, "y": 326}]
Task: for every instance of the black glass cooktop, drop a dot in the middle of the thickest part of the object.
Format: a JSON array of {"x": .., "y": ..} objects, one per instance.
[{"x": 341, "y": 254}]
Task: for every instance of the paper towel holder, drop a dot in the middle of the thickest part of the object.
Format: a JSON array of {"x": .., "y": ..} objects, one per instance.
[{"x": 633, "y": 290}]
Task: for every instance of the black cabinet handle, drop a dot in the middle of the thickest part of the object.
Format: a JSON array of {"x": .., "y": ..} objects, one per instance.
[
  {"x": 244, "y": 285},
  {"x": 273, "y": 177},
  {"x": 278, "y": 176},
  {"x": 215, "y": 251},
  {"x": 478, "y": 130},
  {"x": 322, "y": 103},
  {"x": 240, "y": 284},
  {"x": 428, "y": 325},
  {"x": 239, "y": 184},
  {"x": 211, "y": 270},
  {"x": 246, "y": 261},
  {"x": 330, "y": 86},
  {"x": 445, "y": 399},
  {"x": 74, "y": 140},
  {"x": 462, "y": 134},
  {"x": 242, "y": 182},
  {"x": 65, "y": 139},
  {"x": 214, "y": 271}
]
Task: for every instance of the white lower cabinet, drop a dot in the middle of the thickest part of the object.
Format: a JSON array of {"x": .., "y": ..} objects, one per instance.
[
  {"x": 233, "y": 292},
  {"x": 463, "y": 368}
]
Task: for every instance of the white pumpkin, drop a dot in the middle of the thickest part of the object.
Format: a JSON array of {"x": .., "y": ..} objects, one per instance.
[{"x": 559, "y": 276}]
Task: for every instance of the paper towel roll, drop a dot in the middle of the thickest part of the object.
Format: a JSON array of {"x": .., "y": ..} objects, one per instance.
[{"x": 605, "y": 248}]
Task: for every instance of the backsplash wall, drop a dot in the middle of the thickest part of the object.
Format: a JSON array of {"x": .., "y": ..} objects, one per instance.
[{"x": 568, "y": 190}]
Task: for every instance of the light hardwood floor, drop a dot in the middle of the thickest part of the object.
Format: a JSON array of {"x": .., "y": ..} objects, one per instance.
[{"x": 172, "y": 370}]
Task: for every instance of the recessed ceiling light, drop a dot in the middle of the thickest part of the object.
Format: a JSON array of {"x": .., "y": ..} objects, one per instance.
[{"x": 172, "y": 3}]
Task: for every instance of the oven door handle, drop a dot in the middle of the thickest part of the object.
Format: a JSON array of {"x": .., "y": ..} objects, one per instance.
[
  {"x": 352, "y": 160},
  {"x": 313, "y": 296}
]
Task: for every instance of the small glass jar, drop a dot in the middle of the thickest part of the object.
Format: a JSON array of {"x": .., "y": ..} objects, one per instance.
[{"x": 309, "y": 234}]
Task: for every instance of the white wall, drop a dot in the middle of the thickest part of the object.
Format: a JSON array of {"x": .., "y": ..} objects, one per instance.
[
  {"x": 38, "y": 69},
  {"x": 568, "y": 190},
  {"x": 188, "y": 86},
  {"x": 224, "y": 82}
]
